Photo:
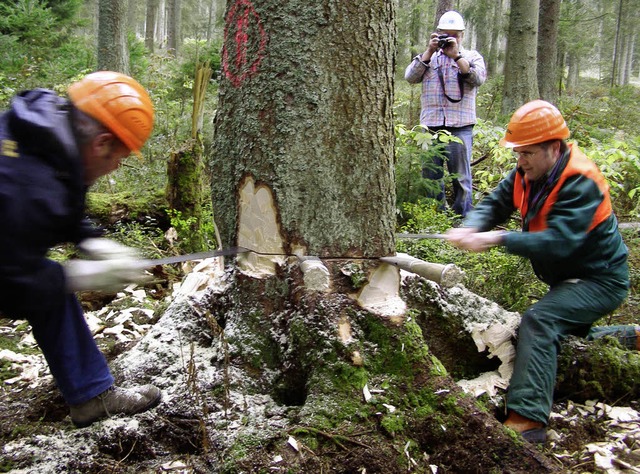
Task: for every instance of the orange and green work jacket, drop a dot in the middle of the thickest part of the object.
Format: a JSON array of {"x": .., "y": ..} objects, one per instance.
[{"x": 568, "y": 228}]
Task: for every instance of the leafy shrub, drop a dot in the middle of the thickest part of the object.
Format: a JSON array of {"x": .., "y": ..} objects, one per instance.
[
  {"x": 416, "y": 150},
  {"x": 489, "y": 100},
  {"x": 618, "y": 160},
  {"x": 491, "y": 162}
]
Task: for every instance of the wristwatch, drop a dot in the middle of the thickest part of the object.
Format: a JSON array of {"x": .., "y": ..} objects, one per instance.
[
  {"x": 458, "y": 58},
  {"x": 419, "y": 58}
]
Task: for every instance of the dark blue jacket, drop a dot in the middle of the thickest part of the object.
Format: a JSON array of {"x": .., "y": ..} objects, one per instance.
[{"x": 42, "y": 199}]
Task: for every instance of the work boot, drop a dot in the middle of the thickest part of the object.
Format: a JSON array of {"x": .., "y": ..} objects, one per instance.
[
  {"x": 530, "y": 430},
  {"x": 115, "y": 401}
]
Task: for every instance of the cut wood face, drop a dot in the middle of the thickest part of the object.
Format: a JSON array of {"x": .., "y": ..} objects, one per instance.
[
  {"x": 259, "y": 230},
  {"x": 316, "y": 275},
  {"x": 382, "y": 294}
]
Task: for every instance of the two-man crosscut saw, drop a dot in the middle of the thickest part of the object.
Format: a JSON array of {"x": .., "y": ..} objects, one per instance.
[
  {"x": 240, "y": 250},
  {"x": 193, "y": 256}
]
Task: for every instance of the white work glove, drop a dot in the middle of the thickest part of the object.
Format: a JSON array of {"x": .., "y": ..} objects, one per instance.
[
  {"x": 103, "y": 275},
  {"x": 99, "y": 248}
]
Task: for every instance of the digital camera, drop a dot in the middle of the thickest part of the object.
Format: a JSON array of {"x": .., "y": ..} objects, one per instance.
[{"x": 443, "y": 41}]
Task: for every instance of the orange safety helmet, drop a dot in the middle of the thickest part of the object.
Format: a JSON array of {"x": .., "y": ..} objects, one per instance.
[
  {"x": 117, "y": 101},
  {"x": 535, "y": 122}
]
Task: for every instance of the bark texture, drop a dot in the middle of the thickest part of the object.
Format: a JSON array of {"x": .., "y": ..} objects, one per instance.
[
  {"x": 547, "y": 72},
  {"x": 520, "y": 82},
  {"x": 174, "y": 19},
  {"x": 150, "y": 25},
  {"x": 443, "y": 6},
  {"x": 113, "y": 54},
  {"x": 306, "y": 109}
]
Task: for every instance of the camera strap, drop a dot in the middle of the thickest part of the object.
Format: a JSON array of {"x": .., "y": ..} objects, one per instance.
[{"x": 460, "y": 85}]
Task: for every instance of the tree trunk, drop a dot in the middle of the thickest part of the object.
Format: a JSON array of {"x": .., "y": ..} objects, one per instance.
[
  {"x": 443, "y": 6},
  {"x": 475, "y": 341},
  {"x": 174, "y": 18},
  {"x": 418, "y": 33},
  {"x": 547, "y": 72},
  {"x": 303, "y": 176},
  {"x": 597, "y": 370},
  {"x": 483, "y": 15},
  {"x": 132, "y": 17},
  {"x": 113, "y": 54},
  {"x": 493, "y": 62},
  {"x": 600, "y": 47},
  {"x": 150, "y": 25},
  {"x": 617, "y": 46},
  {"x": 161, "y": 28},
  {"x": 631, "y": 43},
  {"x": 520, "y": 82},
  {"x": 573, "y": 74},
  {"x": 319, "y": 139},
  {"x": 185, "y": 174}
]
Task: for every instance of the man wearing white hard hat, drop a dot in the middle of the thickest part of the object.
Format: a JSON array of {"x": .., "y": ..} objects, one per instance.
[{"x": 450, "y": 76}]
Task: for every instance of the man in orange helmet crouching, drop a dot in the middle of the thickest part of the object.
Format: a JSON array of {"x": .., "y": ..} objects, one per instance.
[
  {"x": 570, "y": 235},
  {"x": 51, "y": 150}
]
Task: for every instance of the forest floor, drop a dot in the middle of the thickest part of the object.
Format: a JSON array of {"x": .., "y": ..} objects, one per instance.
[{"x": 36, "y": 434}]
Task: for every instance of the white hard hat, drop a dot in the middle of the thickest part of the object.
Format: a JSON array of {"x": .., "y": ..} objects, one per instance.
[{"x": 451, "y": 20}]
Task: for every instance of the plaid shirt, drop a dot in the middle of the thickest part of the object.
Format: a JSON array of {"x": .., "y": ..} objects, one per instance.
[{"x": 437, "y": 110}]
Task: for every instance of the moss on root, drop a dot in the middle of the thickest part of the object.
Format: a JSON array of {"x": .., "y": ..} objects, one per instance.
[{"x": 386, "y": 410}]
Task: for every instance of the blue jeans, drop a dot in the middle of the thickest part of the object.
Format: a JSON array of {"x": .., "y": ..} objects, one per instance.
[
  {"x": 77, "y": 365},
  {"x": 458, "y": 160}
]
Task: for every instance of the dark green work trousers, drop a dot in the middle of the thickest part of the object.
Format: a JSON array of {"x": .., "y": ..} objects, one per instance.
[{"x": 569, "y": 308}]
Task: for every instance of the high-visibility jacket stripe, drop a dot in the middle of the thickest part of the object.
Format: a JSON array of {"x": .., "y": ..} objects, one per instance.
[{"x": 578, "y": 163}]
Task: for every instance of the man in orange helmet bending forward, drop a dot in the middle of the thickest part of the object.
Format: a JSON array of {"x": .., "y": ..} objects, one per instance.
[
  {"x": 570, "y": 235},
  {"x": 51, "y": 150}
]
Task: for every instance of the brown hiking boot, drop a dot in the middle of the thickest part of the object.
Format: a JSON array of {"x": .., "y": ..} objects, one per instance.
[{"x": 115, "y": 401}]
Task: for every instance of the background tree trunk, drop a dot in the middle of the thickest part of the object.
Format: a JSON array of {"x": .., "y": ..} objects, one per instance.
[
  {"x": 443, "y": 6},
  {"x": 418, "y": 32},
  {"x": 547, "y": 71},
  {"x": 482, "y": 14},
  {"x": 520, "y": 82},
  {"x": 493, "y": 61},
  {"x": 113, "y": 54},
  {"x": 320, "y": 137},
  {"x": 573, "y": 65},
  {"x": 174, "y": 19},
  {"x": 150, "y": 25}
]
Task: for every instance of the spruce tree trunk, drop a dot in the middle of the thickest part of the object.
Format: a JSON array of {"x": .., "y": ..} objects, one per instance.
[
  {"x": 113, "y": 54},
  {"x": 520, "y": 82},
  {"x": 493, "y": 63},
  {"x": 150, "y": 25},
  {"x": 174, "y": 18},
  {"x": 483, "y": 16},
  {"x": 305, "y": 110},
  {"x": 303, "y": 166},
  {"x": 547, "y": 72},
  {"x": 443, "y": 6}
]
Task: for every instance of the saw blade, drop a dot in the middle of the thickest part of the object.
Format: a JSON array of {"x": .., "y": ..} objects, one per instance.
[
  {"x": 193, "y": 256},
  {"x": 422, "y": 236}
]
